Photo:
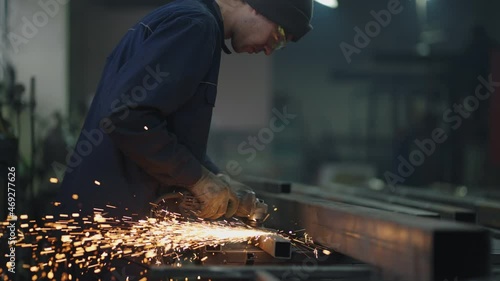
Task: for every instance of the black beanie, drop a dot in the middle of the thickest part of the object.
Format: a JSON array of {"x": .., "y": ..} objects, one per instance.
[{"x": 293, "y": 15}]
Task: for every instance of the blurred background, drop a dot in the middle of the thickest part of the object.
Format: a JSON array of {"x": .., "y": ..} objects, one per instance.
[{"x": 369, "y": 98}]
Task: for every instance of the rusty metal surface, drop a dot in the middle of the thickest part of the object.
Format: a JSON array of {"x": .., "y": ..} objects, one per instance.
[
  {"x": 405, "y": 247},
  {"x": 445, "y": 211}
]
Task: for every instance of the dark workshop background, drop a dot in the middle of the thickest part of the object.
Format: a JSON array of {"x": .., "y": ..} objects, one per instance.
[{"x": 353, "y": 122}]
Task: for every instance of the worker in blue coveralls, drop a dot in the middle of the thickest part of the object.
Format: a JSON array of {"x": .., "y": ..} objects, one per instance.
[{"x": 149, "y": 121}]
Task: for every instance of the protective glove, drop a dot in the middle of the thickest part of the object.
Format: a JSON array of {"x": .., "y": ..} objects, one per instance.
[
  {"x": 214, "y": 197},
  {"x": 246, "y": 196}
]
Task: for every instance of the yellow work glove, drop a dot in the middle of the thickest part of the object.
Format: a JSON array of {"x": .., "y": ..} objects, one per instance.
[
  {"x": 214, "y": 197},
  {"x": 246, "y": 196}
]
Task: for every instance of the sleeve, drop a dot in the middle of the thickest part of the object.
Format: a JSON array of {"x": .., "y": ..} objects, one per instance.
[
  {"x": 158, "y": 79},
  {"x": 210, "y": 165}
]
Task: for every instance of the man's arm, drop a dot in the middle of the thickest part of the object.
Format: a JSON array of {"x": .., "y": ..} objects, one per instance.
[{"x": 157, "y": 80}]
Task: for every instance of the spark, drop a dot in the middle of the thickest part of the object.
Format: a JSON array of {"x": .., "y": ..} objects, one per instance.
[{"x": 91, "y": 243}]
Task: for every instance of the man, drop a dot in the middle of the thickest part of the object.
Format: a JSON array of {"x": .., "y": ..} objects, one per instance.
[{"x": 147, "y": 127}]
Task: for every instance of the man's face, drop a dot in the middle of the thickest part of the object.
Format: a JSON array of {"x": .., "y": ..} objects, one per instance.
[{"x": 254, "y": 33}]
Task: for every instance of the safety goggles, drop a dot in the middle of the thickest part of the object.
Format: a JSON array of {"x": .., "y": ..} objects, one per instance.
[{"x": 280, "y": 39}]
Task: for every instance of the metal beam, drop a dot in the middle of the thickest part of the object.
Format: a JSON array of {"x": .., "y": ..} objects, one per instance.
[
  {"x": 355, "y": 200},
  {"x": 487, "y": 210},
  {"x": 309, "y": 271},
  {"x": 405, "y": 247},
  {"x": 276, "y": 246},
  {"x": 246, "y": 254},
  {"x": 265, "y": 276},
  {"x": 267, "y": 185},
  {"x": 273, "y": 186},
  {"x": 445, "y": 211}
]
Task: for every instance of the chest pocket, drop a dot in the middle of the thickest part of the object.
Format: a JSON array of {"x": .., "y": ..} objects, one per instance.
[{"x": 210, "y": 90}]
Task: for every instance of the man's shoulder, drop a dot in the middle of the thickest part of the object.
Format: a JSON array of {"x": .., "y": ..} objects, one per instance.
[{"x": 193, "y": 9}]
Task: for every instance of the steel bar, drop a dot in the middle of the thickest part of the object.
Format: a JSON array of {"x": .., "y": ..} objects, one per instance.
[
  {"x": 495, "y": 252},
  {"x": 492, "y": 194},
  {"x": 495, "y": 273},
  {"x": 487, "y": 210},
  {"x": 445, "y": 211},
  {"x": 307, "y": 271},
  {"x": 404, "y": 247},
  {"x": 238, "y": 254},
  {"x": 354, "y": 200},
  {"x": 265, "y": 276},
  {"x": 276, "y": 246},
  {"x": 495, "y": 233},
  {"x": 249, "y": 254},
  {"x": 267, "y": 185}
]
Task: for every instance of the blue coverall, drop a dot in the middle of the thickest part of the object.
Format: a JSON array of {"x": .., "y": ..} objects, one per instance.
[{"x": 148, "y": 124}]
